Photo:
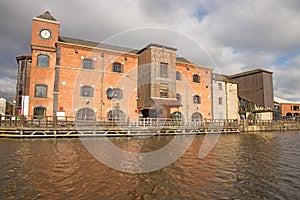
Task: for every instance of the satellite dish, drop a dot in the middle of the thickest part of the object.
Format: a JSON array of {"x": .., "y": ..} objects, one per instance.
[{"x": 110, "y": 93}]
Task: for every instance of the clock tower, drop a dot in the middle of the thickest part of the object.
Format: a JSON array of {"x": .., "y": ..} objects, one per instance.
[
  {"x": 44, "y": 36},
  {"x": 45, "y": 30}
]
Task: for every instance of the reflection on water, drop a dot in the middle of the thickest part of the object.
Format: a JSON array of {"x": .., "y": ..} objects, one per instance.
[{"x": 240, "y": 166}]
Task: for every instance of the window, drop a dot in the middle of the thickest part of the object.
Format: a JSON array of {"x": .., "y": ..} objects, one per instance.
[
  {"x": 117, "y": 67},
  {"x": 296, "y": 108},
  {"x": 178, "y": 76},
  {"x": 220, "y": 86},
  {"x": 41, "y": 91},
  {"x": 179, "y": 97},
  {"x": 164, "y": 69},
  {"x": 196, "y": 116},
  {"x": 86, "y": 91},
  {"x": 197, "y": 99},
  {"x": 88, "y": 63},
  {"x": 196, "y": 78},
  {"x": 85, "y": 114},
  {"x": 117, "y": 93},
  {"x": 221, "y": 115},
  {"x": 176, "y": 115},
  {"x": 116, "y": 115},
  {"x": 163, "y": 90},
  {"x": 43, "y": 60},
  {"x": 220, "y": 100},
  {"x": 39, "y": 112}
]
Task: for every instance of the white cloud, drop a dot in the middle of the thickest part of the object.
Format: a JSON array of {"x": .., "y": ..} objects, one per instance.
[
  {"x": 229, "y": 36},
  {"x": 263, "y": 25},
  {"x": 286, "y": 84}
]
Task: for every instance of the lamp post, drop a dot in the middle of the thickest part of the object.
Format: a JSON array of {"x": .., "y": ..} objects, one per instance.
[{"x": 102, "y": 85}]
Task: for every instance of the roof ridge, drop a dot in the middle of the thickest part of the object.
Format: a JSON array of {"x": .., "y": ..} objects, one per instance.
[
  {"x": 46, "y": 15},
  {"x": 100, "y": 45},
  {"x": 249, "y": 72}
]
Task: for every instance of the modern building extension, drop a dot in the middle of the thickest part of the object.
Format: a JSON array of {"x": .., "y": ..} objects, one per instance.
[{"x": 286, "y": 109}]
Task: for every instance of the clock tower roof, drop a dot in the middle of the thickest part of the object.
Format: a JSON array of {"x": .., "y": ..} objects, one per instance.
[{"x": 47, "y": 15}]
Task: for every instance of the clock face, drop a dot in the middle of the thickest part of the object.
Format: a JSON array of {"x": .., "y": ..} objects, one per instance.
[{"x": 45, "y": 33}]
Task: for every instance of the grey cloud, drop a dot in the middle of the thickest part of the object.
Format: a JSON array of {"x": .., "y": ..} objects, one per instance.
[
  {"x": 237, "y": 35},
  {"x": 264, "y": 25}
]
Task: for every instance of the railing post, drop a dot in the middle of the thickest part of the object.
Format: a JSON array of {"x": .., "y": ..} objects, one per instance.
[
  {"x": 10, "y": 120},
  {"x": 55, "y": 121},
  {"x": 128, "y": 122},
  {"x": 22, "y": 120}
]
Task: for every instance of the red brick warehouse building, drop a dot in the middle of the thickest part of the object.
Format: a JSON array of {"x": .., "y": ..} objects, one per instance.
[{"x": 65, "y": 76}]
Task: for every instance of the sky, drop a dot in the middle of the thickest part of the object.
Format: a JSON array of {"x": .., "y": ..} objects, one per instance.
[{"x": 229, "y": 36}]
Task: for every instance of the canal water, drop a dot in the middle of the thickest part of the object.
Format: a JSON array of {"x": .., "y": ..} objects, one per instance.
[{"x": 263, "y": 165}]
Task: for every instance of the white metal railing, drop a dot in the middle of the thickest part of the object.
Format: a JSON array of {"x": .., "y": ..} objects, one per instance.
[{"x": 68, "y": 121}]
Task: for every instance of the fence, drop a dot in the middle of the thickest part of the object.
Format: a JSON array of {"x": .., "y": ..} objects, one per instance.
[{"x": 70, "y": 121}]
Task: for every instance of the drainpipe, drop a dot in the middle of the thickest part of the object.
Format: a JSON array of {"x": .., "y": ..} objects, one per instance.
[
  {"x": 226, "y": 100},
  {"x": 102, "y": 85},
  {"x": 187, "y": 95},
  {"x": 212, "y": 95}
]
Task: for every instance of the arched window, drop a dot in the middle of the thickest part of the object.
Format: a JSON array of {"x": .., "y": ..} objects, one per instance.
[
  {"x": 85, "y": 114},
  {"x": 88, "y": 63},
  {"x": 41, "y": 91},
  {"x": 196, "y": 116},
  {"x": 196, "y": 99},
  {"x": 176, "y": 115},
  {"x": 116, "y": 115},
  {"x": 86, "y": 91},
  {"x": 43, "y": 60},
  {"x": 196, "y": 78},
  {"x": 39, "y": 112},
  {"x": 117, "y": 67}
]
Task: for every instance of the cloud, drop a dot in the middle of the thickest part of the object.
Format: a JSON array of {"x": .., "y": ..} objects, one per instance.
[
  {"x": 286, "y": 84},
  {"x": 256, "y": 25},
  {"x": 229, "y": 36},
  {"x": 8, "y": 88}
]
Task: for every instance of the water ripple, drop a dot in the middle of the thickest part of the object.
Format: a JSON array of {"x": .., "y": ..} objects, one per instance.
[{"x": 240, "y": 166}]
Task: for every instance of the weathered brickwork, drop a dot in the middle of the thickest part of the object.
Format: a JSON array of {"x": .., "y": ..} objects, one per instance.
[
  {"x": 67, "y": 55},
  {"x": 188, "y": 89}
]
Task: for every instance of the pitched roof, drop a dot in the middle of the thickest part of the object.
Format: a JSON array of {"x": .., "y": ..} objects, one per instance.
[
  {"x": 47, "y": 15},
  {"x": 156, "y": 45},
  {"x": 96, "y": 44},
  {"x": 255, "y": 71},
  {"x": 224, "y": 78},
  {"x": 184, "y": 60},
  {"x": 109, "y": 47}
]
